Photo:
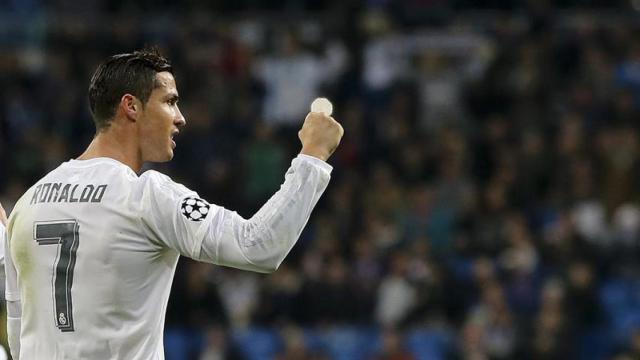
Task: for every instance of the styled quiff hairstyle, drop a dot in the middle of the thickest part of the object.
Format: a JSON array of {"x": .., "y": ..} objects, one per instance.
[{"x": 132, "y": 73}]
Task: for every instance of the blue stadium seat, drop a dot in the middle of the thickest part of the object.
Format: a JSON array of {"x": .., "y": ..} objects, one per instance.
[
  {"x": 313, "y": 340},
  {"x": 616, "y": 297},
  {"x": 258, "y": 343},
  {"x": 429, "y": 344},
  {"x": 349, "y": 343},
  {"x": 181, "y": 344},
  {"x": 625, "y": 325},
  {"x": 344, "y": 343},
  {"x": 595, "y": 344},
  {"x": 621, "y": 301}
]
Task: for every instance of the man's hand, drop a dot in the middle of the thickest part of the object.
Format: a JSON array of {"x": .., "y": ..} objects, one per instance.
[
  {"x": 3, "y": 216},
  {"x": 320, "y": 135}
]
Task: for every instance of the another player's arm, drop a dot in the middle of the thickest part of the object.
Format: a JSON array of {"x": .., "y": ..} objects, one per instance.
[{"x": 14, "y": 308}]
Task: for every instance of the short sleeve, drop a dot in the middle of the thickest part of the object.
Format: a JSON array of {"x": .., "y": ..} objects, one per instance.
[{"x": 171, "y": 215}]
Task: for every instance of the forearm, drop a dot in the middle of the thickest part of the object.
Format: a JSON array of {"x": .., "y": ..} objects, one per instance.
[{"x": 262, "y": 242}]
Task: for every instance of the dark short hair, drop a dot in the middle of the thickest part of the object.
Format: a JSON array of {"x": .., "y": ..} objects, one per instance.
[{"x": 132, "y": 73}]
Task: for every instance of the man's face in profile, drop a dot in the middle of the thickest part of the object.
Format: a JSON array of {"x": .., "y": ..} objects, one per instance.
[{"x": 160, "y": 121}]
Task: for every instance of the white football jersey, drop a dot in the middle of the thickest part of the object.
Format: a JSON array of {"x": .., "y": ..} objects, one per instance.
[{"x": 92, "y": 249}]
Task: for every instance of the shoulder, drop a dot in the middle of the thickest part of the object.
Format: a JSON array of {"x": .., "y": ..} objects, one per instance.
[
  {"x": 26, "y": 197},
  {"x": 154, "y": 176},
  {"x": 160, "y": 198},
  {"x": 157, "y": 184}
]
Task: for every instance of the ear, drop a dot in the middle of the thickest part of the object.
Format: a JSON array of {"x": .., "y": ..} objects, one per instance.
[{"x": 130, "y": 106}]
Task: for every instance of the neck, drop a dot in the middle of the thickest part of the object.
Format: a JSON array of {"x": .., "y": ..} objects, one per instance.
[{"x": 116, "y": 143}]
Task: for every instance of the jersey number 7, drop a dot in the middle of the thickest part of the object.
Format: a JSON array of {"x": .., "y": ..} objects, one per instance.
[{"x": 65, "y": 234}]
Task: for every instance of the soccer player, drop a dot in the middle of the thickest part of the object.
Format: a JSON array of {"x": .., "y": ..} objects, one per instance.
[{"x": 92, "y": 247}]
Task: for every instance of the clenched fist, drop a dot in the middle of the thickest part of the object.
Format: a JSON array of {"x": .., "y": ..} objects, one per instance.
[{"x": 320, "y": 135}]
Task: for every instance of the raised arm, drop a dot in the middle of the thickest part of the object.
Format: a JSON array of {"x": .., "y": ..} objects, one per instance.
[
  {"x": 177, "y": 218},
  {"x": 261, "y": 242}
]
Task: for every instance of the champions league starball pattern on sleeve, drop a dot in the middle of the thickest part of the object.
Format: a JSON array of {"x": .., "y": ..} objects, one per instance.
[{"x": 194, "y": 209}]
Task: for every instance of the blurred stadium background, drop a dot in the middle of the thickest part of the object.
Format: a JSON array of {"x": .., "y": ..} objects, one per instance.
[{"x": 484, "y": 203}]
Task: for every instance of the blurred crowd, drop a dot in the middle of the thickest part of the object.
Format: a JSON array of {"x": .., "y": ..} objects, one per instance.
[{"x": 484, "y": 202}]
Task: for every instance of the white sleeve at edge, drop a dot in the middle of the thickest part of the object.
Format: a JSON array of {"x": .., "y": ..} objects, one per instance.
[
  {"x": 12, "y": 292},
  {"x": 12, "y": 296}
]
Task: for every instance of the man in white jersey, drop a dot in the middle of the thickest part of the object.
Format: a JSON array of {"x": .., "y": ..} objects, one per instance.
[{"x": 92, "y": 247}]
